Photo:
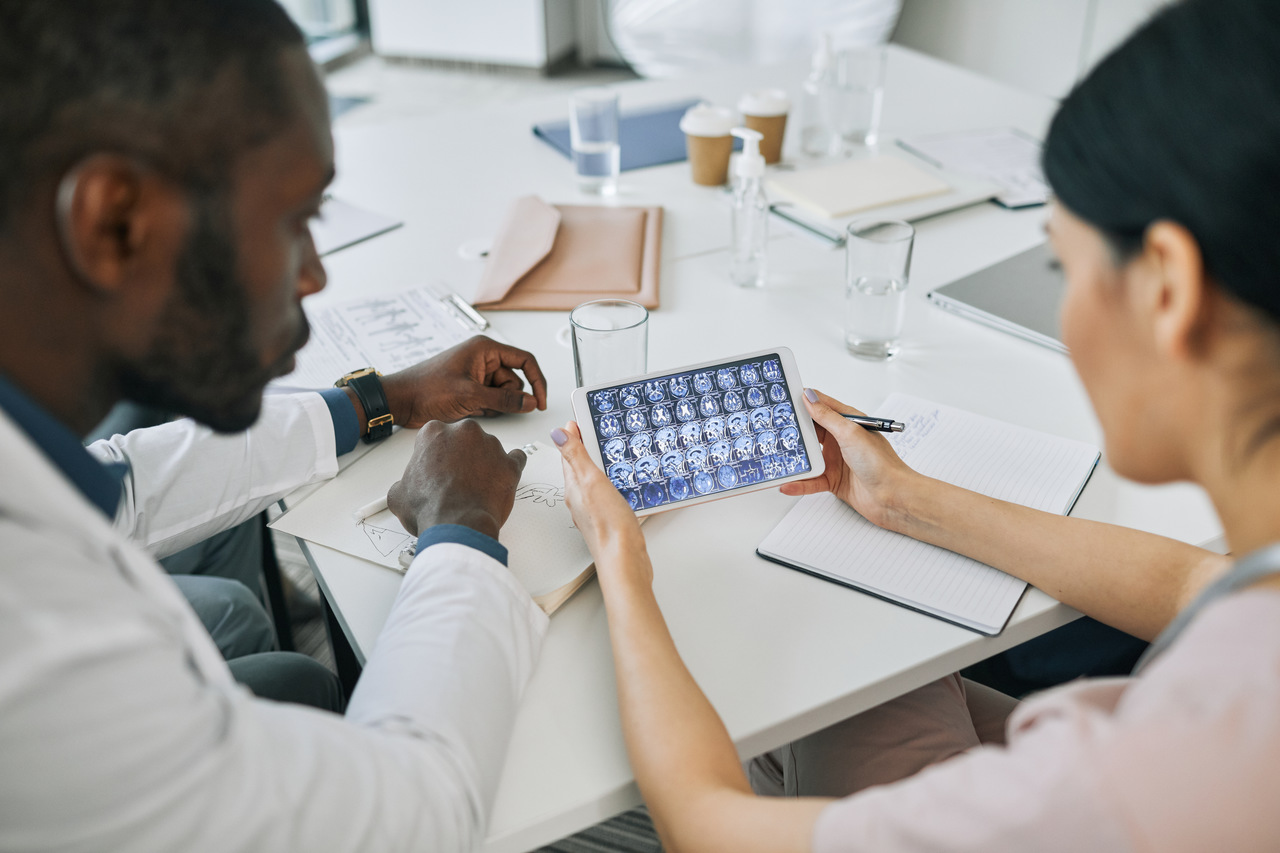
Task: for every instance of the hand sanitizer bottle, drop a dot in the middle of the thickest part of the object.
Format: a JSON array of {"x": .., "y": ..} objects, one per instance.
[
  {"x": 815, "y": 102},
  {"x": 750, "y": 213}
]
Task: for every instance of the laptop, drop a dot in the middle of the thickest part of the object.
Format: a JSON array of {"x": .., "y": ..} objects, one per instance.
[{"x": 1019, "y": 295}]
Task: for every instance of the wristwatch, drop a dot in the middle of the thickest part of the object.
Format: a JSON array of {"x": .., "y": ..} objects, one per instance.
[{"x": 373, "y": 400}]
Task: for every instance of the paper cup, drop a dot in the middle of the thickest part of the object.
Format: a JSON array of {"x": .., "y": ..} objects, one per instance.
[
  {"x": 709, "y": 143},
  {"x": 766, "y": 111}
]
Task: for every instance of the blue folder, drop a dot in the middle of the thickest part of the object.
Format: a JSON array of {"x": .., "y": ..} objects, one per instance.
[{"x": 647, "y": 137}]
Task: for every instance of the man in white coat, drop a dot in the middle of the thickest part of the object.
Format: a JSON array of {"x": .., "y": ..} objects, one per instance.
[{"x": 159, "y": 162}]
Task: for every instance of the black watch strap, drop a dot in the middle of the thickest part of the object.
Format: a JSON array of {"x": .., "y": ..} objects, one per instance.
[{"x": 373, "y": 400}]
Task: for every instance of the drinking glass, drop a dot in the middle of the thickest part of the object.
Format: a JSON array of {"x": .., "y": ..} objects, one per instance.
[
  {"x": 877, "y": 269},
  {"x": 854, "y": 98},
  {"x": 610, "y": 340},
  {"x": 593, "y": 138}
]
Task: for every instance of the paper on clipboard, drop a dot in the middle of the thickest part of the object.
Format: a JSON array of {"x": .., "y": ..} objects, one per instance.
[{"x": 387, "y": 331}]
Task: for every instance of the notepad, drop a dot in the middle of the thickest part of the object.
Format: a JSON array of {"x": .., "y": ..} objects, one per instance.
[
  {"x": 649, "y": 136},
  {"x": 823, "y": 536},
  {"x": 851, "y": 186},
  {"x": 545, "y": 551}
]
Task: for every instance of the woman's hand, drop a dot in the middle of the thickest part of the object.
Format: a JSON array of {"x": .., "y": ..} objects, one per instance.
[
  {"x": 607, "y": 523},
  {"x": 862, "y": 468}
]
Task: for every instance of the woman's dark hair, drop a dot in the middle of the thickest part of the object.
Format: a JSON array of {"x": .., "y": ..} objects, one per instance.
[{"x": 1182, "y": 123}]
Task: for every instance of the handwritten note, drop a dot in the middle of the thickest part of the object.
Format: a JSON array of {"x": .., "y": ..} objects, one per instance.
[{"x": 389, "y": 332}]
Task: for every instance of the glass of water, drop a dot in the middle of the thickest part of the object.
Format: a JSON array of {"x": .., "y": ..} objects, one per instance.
[
  {"x": 855, "y": 95},
  {"x": 877, "y": 268},
  {"x": 610, "y": 340},
  {"x": 593, "y": 137}
]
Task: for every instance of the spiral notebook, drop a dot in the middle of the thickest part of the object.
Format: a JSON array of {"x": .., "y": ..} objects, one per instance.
[{"x": 824, "y": 537}]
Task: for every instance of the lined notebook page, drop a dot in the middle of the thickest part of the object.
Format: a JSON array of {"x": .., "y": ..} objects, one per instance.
[{"x": 824, "y": 536}]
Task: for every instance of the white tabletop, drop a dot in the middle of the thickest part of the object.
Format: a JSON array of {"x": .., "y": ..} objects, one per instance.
[{"x": 779, "y": 653}]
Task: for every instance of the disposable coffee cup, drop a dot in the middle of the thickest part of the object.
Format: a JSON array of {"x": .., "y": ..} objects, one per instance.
[
  {"x": 765, "y": 110},
  {"x": 709, "y": 143}
]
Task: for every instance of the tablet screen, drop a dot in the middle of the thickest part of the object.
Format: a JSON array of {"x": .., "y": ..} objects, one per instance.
[{"x": 695, "y": 433}]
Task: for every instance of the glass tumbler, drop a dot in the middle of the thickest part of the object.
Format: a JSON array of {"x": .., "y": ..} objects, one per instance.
[
  {"x": 610, "y": 340},
  {"x": 593, "y": 139},
  {"x": 877, "y": 269}
]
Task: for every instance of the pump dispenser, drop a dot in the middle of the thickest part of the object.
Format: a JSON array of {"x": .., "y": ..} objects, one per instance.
[{"x": 750, "y": 213}]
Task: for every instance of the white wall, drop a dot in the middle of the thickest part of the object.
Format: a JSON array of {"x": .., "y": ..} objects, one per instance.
[{"x": 1040, "y": 45}]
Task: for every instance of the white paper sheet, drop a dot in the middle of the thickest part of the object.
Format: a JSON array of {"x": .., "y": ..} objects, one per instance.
[
  {"x": 1005, "y": 156},
  {"x": 389, "y": 332},
  {"x": 824, "y": 535},
  {"x": 545, "y": 549}
]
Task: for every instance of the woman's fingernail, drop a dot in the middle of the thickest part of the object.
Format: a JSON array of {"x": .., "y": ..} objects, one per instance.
[
  {"x": 559, "y": 436},
  {"x": 811, "y": 395}
]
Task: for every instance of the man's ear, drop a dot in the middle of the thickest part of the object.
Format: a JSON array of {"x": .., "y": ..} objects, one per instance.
[
  {"x": 118, "y": 221},
  {"x": 1179, "y": 298}
]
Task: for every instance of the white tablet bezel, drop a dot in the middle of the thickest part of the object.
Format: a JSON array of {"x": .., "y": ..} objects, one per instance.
[{"x": 582, "y": 413}]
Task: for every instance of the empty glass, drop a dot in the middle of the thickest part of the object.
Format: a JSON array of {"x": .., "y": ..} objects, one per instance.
[
  {"x": 610, "y": 340},
  {"x": 877, "y": 269},
  {"x": 593, "y": 138}
]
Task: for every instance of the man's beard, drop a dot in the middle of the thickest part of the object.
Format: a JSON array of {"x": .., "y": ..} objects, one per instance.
[{"x": 202, "y": 362}]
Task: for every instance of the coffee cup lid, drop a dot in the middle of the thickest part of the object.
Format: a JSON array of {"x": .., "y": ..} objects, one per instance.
[
  {"x": 707, "y": 120},
  {"x": 765, "y": 102}
]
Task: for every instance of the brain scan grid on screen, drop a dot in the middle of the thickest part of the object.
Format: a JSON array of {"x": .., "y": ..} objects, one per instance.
[{"x": 697, "y": 433}]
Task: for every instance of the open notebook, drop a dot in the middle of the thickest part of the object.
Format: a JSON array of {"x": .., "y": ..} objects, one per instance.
[
  {"x": 545, "y": 551},
  {"x": 823, "y": 536}
]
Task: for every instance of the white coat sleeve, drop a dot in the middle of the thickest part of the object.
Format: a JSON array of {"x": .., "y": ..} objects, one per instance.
[
  {"x": 121, "y": 730},
  {"x": 186, "y": 482}
]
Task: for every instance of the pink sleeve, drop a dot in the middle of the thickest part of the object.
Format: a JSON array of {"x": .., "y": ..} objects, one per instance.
[
  {"x": 1185, "y": 757},
  {"x": 1040, "y": 795}
]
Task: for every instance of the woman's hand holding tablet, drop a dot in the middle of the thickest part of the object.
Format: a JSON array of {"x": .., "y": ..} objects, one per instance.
[{"x": 707, "y": 431}]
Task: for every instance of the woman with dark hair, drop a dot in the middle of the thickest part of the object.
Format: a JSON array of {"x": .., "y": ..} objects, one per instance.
[{"x": 1166, "y": 164}]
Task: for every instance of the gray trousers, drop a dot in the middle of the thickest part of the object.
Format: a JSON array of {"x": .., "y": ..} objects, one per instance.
[
  {"x": 887, "y": 743},
  {"x": 221, "y": 578}
]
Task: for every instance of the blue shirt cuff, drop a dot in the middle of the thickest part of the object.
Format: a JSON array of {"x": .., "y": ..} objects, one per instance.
[
  {"x": 462, "y": 535},
  {"x": 346, "y": 429}
]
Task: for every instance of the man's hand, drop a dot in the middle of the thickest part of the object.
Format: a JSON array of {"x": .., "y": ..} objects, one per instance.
[
  {"x": 458, "y": 475},
  {"x": 476, "y": 377}
]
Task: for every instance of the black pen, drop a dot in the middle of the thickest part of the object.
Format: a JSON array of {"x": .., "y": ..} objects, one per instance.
[{"x": 877, "y": 424}]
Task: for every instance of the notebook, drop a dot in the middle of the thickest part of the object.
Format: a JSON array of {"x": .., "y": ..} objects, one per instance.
[
  {"x": 851, "y": 186},
  {"x": 646, "y": 137},
  {"x": 1019, "y": 295},
  {"x": 545, "y": 551},
  {"x": 824, "y": 537}
]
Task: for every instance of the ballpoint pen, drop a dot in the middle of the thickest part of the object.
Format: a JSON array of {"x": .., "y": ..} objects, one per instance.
[{"x": 876, "y": 424}]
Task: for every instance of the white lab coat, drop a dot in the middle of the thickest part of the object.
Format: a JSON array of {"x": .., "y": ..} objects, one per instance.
[{"x": 120, "y": 725}]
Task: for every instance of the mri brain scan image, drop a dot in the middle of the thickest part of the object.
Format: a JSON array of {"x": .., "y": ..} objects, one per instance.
[{"x": 697, "y": 433}]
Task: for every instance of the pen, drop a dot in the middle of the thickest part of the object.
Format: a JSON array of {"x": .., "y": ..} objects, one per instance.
[
  {"x": 877, "y": 424},
  {"x": 371, "y": 508}
]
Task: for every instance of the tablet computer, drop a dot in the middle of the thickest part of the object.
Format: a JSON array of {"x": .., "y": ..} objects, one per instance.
[{"x": 682, "y": 437}]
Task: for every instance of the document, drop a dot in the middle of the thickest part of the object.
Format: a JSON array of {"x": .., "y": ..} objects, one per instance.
[
  {"x": 545, "y": 550},
  {"x": 1005, "y": 156},
  {"x": 823, "y": 536},
  {"x": 340, "y": 225},
  {"x": 388, "y": 332}
]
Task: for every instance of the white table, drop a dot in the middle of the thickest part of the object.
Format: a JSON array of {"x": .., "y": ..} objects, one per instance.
[{"x": 780, "y": 654}]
